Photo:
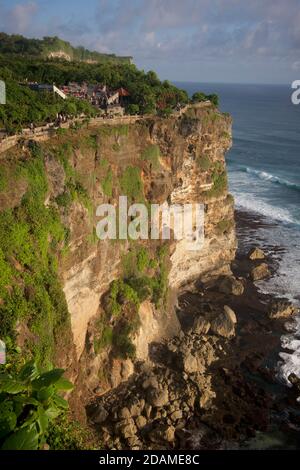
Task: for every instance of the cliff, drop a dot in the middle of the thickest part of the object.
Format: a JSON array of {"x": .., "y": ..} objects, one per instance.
[
  {"x": 93, "y": 306},
  {"x": 54, "y": 48}
]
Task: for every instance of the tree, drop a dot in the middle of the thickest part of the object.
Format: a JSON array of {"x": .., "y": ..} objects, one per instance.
[
  {"x": 133, "y": 109},
  {"x": 198, "y": 97},
  {"x": 214, "y": 99}
]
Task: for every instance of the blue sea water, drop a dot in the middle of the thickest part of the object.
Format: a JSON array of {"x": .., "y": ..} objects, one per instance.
[{"x": 264, "y": 177}]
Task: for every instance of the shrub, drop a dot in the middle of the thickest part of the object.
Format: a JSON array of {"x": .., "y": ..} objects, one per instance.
[
  {"x": 67, "y": 434},
  {"x": 29, "y": 402}
]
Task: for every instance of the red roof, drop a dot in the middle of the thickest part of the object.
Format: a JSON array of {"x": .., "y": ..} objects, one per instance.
[{"x": 123, "y": 92}]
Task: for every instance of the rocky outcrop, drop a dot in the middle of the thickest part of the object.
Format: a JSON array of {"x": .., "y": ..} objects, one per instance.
[
  {"x": 231, "y": 286},
  {"x": 282, "y": 308},
  {"x": 259, "y": 272},
  {"x": 256, "y": 254}
]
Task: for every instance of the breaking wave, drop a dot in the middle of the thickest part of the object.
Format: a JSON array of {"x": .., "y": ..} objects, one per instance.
[{"x": 263, "y": 175}]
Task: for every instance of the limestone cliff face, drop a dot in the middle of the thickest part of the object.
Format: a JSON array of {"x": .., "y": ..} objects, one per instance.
[{"x": 180, "y": 160}]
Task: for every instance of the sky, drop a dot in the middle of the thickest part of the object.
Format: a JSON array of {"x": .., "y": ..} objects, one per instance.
[{"x": 235, "y": 41}]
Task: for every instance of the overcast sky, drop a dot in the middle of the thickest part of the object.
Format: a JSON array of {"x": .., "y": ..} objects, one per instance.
[{"x": 189, "y": 40}]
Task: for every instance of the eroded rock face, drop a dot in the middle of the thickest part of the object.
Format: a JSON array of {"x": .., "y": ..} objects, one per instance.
[
  {"x": 191, "y": 158},
  {"x": 180, "y": 178}
]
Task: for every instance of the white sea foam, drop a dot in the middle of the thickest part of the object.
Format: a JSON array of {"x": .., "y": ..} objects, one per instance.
[
  {"x": 290, "y": 362},
  {"x": 272, "y": 178},
  {"x": 251, "y": 203}
]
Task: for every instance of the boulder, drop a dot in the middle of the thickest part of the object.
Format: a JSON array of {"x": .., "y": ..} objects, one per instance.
[
  {"x": 223, "y": 325},
  {"x": 282, "y": 308},
  {"x": 126, "y": 428},
  {"x": 176, "y": 415},
  {"x": 100, "y": 415},
  {"x": 294, "y": 380},
  {"x": 201, "y": 326},
  {"x": 231, "y": 286},
  {"x": 162, "y": 433},
  {"x": 260, "y": 272},
  {"x": 230, "y": 313},
  {"x": 189, "y": 363},
  {"x": 256, "y": 253},
  {"x": 124, "y": 413},
  {"x": 140, "y": 422},
  {"x": 136, "y": 407},
  {"x": 157, "y": 398}
]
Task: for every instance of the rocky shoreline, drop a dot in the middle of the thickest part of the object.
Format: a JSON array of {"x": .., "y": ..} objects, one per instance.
[{"x": 214, "y": 385}]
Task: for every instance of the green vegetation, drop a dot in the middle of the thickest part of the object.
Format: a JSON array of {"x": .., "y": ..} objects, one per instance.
[
  {"x": 74, "y": 189},
  {"x": 152, "y": 154},
  {"x": 67, "y": 434},
  {"x": 131, "y": 184},
  {"x": 29, "y": 403},
  {"x": 31, "y": 236},
  {"x": 224, "y": 226},
  {"x": 147, "y": 93},
  {"x": 25, "y": 106},
  {"x": 17, "y": 44},
  {"x": 225, "y": 135},
  {"x": 219, "y": 180},
  {"x": 203, "y": 162},
  {"x": 22, "y": 58},
  {"x": 145, "y": 277},
  {"x": 107, "y": 183},
  {"x": 199, "y": 96}
]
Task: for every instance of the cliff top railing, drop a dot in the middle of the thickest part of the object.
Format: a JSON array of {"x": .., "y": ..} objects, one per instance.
[{"x": 45, "y": 132}]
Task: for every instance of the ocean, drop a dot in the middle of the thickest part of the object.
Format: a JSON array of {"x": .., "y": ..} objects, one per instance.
[{"x": 264, "y": 177}]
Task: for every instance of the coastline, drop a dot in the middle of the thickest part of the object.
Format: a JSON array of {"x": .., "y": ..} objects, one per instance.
[
  {"x": 253, "y": 408},
  {"x": 230, "y": 397}
]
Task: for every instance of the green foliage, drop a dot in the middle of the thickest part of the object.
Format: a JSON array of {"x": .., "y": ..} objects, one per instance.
[
  {"x": 75, "y": 190},
  {"x": 219, "y": 179},
  {"x": 124, "y": 348},
  {"x": 143, "y": 259},
  {"x": 203, "y": 162},
  {"x": 107, "y": 183},
  {"x": 224, "y": 225},
  {"x": 25, "y": 106},
  {"x": 147, "y": 93},
  {"x": 214, "y": 99},
  {"x": 199, "y": 96},
  {"x": 226, "y": 135},
  {"x": 103, "y": 337},
  {"x": 152, "y": 154},
  {"x": 68, "y": 434},
  {"x": 133, "y": 109},
  {"x": 31, "y": 235},
  {"x": 29, "y": 402},
  {"x": 16, "y": 44},
  {"x": 131, "y": 184}
]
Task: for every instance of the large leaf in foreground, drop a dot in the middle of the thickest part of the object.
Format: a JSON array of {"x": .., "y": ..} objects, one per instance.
[
  {"x": 47, "y": 379},
  {"x": 24, "y": 439}
]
